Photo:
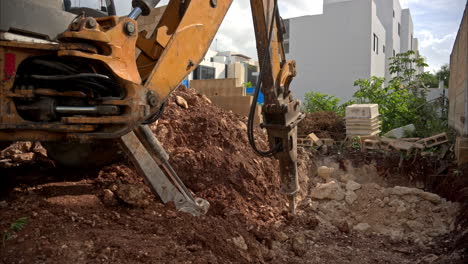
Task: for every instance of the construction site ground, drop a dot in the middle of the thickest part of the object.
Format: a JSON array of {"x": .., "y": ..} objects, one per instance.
[{"x": 374, "y": 207}]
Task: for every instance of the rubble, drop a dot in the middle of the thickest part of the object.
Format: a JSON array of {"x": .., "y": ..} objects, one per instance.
[
  {"x": 181, "y": 102},
  {"x": 330, "y": 190}
]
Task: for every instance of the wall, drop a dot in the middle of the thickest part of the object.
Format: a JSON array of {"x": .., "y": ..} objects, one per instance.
[
  {"x": 377, "y": 58},
  {"x": 407, "y": 33},
  {"x": 458, "y": 91},
  {"x": 332, "y": 50},
  {"x": 385, "y": 9},
  {"x": 218, "y": 87}
]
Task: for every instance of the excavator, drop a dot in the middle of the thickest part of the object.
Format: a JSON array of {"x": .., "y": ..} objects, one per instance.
[{"x": 79, "y": 79}]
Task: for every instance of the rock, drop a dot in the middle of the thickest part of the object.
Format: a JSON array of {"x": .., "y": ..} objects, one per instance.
[
  {"x": 23, "y": 157},
  {"x": 17, "y": 148},
  {"x": 108, "y": 198},
  {"x": 401, "y": 131},
  {"x": 280, "y": 236},
  {"x": 431, "y": 197},
  {"x": 239, "y": 242},
  {"x": 343, "y": 226},
  {"x": 362, "y": 227},
  {"x": 347, "y": 177},
  {"x": 325, "y": 172},
  {"x": 350, "y": 197},
  {"x": 181, "y": 102},
  {"x": 414, "y": 226},
  {"x": 428, "y": 259},
  {"x": 242, "y": 126},
  {"x": 206, "y": 99},
  {"x": 133, "y": 195},
  {"x": 352, "y": 186},
  {"x": 299, "y": 245},
  {"x": 402, "y": 191},
  {"x": 3, "y": 204},
  {"x": 330, "y": 190}
]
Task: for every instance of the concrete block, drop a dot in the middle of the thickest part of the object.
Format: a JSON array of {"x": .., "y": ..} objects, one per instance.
[
  {"x": 357, "y": 133},
  {"x": 371, "y": 144},
  {"x": 362, "y": 111},
  {"x": 305, "y": 142},
  {"x": 434, "y": 140},
  {"x": 353, "y": 121},
  {"x": 402, "y": 145},
  {"x": 328, "y": 141},
  {"x": 315, "y": 139}
]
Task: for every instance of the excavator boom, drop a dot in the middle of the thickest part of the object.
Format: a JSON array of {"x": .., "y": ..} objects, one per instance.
[{"x": 88, "y": 83}]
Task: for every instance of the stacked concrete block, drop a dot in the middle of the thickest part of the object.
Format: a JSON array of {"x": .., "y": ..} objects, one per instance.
[{"x": 362, "y": 120}]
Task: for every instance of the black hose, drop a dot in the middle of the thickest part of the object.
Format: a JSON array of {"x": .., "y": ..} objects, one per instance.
[
  {"x": 156, "y": 116},
  {"x": 250, "y": 122},
  {"x": 68, "y": 77}
]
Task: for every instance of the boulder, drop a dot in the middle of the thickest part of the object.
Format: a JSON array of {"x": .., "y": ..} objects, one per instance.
[
  {"x": 330, "y": 190},
  {"x": 362, "y": 227},
  {"x": 352, "y": 186},
  {"x": 351, "y": 197},
  {"x": 325, "y": 172},
  {"x": 347, "y": 177},
  {"x": 181, "y": 102},
  {"x": 239, "y": 242},
  {"x": 299, "y": 245}
]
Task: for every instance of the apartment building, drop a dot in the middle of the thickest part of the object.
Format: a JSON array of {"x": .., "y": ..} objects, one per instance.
[
  {"x": 226, "y": 64},
  {"x": 351, "y": 40}
]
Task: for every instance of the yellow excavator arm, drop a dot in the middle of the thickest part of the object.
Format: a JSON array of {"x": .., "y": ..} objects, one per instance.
[{"x": 90, "y": 85}]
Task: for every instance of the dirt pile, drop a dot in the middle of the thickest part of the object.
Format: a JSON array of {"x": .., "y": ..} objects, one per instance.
[
  {"x": 108, "y": 215},
  {"x": 210, "y": 151},
  {"x": 324, "y": 125}
]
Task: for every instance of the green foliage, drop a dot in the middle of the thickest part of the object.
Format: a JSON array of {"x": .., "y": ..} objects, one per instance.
[
  {"x": 247, "y": 85},
  {"x": 19, "y": 224},
  {"x": 16, "y": 226},
  {"x": 444, "y": 75},
  {"x": 403, "y": 101},
  {"x": 317, "y": 102}
]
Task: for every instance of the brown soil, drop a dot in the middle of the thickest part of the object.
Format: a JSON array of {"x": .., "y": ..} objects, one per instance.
[
  {"x": 81, "y": 217},
  {"x": 324, "y": 125}
]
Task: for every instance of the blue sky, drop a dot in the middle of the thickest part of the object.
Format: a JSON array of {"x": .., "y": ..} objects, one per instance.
[{"x": 436, "y": 24}]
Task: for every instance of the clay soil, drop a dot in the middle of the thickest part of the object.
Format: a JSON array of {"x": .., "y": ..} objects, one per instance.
[
  {"x": 324, "y": 125},
  {"x": 83, "y": 216}
]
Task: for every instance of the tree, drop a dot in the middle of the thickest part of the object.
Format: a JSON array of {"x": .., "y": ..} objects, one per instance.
[
  {"x": 444, "y": 75},
  {"x": 403, "y": 101}
]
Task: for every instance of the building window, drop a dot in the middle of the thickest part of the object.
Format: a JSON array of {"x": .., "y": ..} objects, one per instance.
[
  {"x": 411, "y": 41},
  {"x": 394, "y": 53},
  {"x": 383, "y": 49},
  {"x": 399, "y": 29},
  {"x": 376, "y": 44},
  {"x": 286, "y": 29},
  {"x": 204, "y": 73},
  {"x": 286, "y": 46},
  {"x": 394, "y": 13}
]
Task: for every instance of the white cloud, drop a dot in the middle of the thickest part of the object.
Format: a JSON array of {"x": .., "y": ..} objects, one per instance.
[
  {"x": 436, "y": 49},
  {"x": 237, "y": 33}
]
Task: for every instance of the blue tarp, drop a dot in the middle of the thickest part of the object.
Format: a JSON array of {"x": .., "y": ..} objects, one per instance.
[{"x": 251, "y": 90}]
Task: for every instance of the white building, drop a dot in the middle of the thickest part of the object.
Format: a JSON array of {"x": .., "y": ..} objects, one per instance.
[
  {"x": 226, "y": 64},
  {"x": 351, "y": 40}
]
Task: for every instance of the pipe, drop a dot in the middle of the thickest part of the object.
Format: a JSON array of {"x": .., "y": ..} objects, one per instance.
[
  {"x": 88, "y": 110},
  {"x": 135, "y": 14}
]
